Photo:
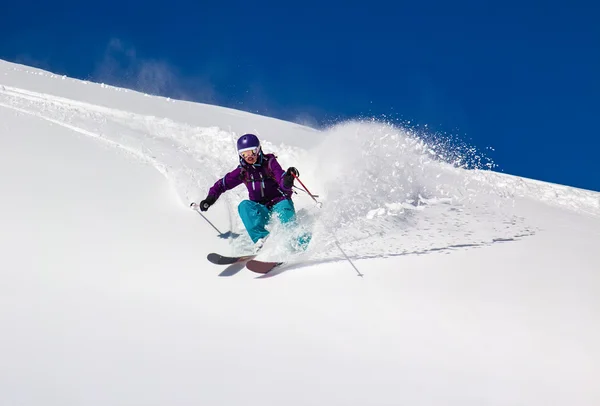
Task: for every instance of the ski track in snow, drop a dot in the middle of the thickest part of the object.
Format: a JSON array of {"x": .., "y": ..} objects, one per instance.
[{"x": 414, "y": 203}]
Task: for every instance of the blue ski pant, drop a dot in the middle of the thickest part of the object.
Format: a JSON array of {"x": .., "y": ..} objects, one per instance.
[{"x": 256, "y": 216}]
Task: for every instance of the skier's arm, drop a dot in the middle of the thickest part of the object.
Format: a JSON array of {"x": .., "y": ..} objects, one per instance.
[
  {"x": 284, "y": 179},
  {"x": 227, "y": 182},
  {"x": 279, "y": 174}
]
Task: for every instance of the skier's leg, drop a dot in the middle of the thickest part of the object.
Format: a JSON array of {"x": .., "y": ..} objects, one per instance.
[
  {"x": 286, "y": 213},
  {"x": 255, "y": 217}
]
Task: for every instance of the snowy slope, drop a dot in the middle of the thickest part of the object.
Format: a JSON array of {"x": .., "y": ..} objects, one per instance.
[{"x": 479, "y": 288}]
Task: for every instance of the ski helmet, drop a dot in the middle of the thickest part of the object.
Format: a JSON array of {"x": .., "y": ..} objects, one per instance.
[{"x": 247, "y": 142}]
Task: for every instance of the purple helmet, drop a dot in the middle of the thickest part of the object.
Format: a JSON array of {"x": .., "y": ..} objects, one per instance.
[{"x": 247, "y": 142}]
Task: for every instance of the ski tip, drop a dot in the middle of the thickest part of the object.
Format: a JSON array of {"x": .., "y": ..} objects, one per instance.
[
  {"x": 212, "y": 257},
  {"x": 224, "y": 260},
  {"x": 261, "y": 267}
]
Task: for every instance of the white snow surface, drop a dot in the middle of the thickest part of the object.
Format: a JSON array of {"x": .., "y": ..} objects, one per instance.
[{"x": 479, "y": 288}]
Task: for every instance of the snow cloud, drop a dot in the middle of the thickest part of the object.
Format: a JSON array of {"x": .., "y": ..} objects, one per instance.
[
  {"x": 29, "y": 60},
  {"x": 121, "y": 65}
]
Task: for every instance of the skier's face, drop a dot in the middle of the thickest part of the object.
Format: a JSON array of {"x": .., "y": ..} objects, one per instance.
[{"x": 250, "y": 156}]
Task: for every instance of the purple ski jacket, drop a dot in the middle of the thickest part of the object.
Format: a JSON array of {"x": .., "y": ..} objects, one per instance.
[{"x": 264, "y": 181}]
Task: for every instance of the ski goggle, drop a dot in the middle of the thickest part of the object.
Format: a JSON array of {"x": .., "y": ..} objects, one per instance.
[{"x": 249, "y": 153}]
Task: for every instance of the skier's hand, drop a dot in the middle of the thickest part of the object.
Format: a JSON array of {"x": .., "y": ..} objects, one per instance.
[
  {"x": 288, "y": 177},
  {"x": 292, "y": 172},
  {"x": 206, "y": 203}
]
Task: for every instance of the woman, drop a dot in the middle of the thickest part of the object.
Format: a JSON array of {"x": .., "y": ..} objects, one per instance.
[{"x": 269, "y": 190}]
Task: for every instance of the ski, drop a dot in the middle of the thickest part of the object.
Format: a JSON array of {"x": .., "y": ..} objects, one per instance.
[
  {"x": 262, "y": 266},
  {"x": 219, "y": 259}
]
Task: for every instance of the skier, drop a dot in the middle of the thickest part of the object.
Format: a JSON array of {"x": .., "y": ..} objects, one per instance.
[{"x": 269, "y": 190}]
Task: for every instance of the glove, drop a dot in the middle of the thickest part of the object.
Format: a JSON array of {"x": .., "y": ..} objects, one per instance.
[
  {"x": 292, "y": 171},
  {"x": 206, "y": 203},
  {"x": 288, "y": 177}
]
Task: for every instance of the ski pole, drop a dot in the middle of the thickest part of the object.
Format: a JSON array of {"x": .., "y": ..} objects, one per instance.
[
  {"x": 344, "y": 254},
  {"x": 302, "y": 190},
  {"x": 319, "y": 204},
  {"x": 195, "y": 208},
  {"x": 337, "y": 243}
]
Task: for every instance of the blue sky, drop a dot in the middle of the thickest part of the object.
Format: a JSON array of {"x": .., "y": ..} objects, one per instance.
[{"x": 521, "y": 77}]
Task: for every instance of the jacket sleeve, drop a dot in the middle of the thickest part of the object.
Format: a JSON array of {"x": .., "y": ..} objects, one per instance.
[
  {"x": 227, "y": 182},
  {"x": 278, "y": 173}
]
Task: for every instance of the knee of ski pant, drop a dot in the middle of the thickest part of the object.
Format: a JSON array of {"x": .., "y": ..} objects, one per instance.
[
  {"x": 253, "y": 215},
  {"x": 248, "y": 208},
  {"x": 285, "y": 211},
  {"x": 245, "y": 206}
]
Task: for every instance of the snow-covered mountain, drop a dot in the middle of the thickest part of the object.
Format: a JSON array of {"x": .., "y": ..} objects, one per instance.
[{"x": 479, "y": 288}]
